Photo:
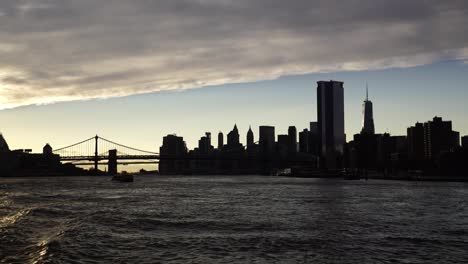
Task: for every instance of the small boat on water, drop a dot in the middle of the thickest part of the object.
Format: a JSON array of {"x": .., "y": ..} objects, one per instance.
[
  {"x": 351, "y": 175},
  {"x": 123, "y": 178}
]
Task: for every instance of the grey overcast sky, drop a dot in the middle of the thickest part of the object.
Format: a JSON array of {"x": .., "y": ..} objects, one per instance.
[
  {"x": 61, "y": 50},
  {"x": 127, "y": 69}
]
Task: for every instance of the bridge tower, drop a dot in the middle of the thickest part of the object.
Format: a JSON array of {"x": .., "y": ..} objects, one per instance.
[
  {"x": 112, "y": 163},
  {"x": 96, "y": 154}
]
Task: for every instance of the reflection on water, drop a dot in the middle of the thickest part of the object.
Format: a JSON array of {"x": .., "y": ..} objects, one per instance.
[
  {"x": 231, "y": 219},
  {"x": 8, "y": 220}
]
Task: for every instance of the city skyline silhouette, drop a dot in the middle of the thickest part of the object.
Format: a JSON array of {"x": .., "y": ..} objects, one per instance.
[
  {"x": 430, "y": 147},
  {"x": 233, "y": 131}
]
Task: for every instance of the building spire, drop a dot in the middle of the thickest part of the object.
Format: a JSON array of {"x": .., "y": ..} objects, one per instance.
[{"x": 367, "y": 91}]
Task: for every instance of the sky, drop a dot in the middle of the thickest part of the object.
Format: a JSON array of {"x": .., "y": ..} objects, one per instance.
[{"x": 135, "y": 70}]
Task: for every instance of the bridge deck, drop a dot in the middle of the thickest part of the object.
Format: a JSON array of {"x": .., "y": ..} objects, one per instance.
[{"x": 126, "y": 157}]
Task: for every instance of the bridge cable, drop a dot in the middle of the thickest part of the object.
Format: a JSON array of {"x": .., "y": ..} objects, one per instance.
[
  {"x": 60, "y": 149},
  {"x": 127, "y": 147}
]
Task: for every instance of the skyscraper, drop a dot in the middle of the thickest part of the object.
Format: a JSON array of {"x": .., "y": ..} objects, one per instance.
[
  {"x": 330, "y": 110},
  {"x": 314, "y": 139},
  {"x": 292, "y": 137},
  {"x": 233, "y": 137},
  {"x": 173, "y": 151},
  {"x": 368, "y": 116},
  {"x": 415, "y": 136},
  {"x": 220, "y": 140},
  {"x": 250, "y": 138},
  {"x": 267, "y": 139},
  {"x": 304, "y": 141},
  {"x": 204, "y": 144},
  {"x": 439, "y": 138}
]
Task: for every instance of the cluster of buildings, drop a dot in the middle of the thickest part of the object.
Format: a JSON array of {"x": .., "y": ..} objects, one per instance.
[
  {"x": 319, "y": 146},
  {"x": 22, "y": 162},
  {"x": 432, "y": 147}
]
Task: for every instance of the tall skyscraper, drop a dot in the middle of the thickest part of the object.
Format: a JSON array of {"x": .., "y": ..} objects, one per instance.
[
  {"x": 292, "y": 137},
  {"x": 233, "y": 137},
  {"x": 250, "y": 138},
  {"x": 220, "y": 140},
  {"x": 314, "y": 139},
  {"x": 330, "y": 110},
  {"x": 368, "y": 116}
]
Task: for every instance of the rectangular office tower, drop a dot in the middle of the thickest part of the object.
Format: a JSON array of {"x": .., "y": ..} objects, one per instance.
[{"x": 331, "y": 124}]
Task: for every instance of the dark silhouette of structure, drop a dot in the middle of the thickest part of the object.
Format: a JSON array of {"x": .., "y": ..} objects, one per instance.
[
  {"x": 416, "y": 150},
  {"x": 47, "y": 150},
  {"x": 267, "y": 139},
  {"x": 368, "y": 115},
  {"x": 233, "y": 141},
  {"x": 439, "y": 138},
  {"x": 250, "y": 138},
  {"x": 112, "y": 165},
  {"x": 314, "y": 139},
  {"x": 432, "y": 147},
  {"x": 204, "y": 144},
  {"x": 464, "y": 141},
  {"x": 23, "y": 162},
  {"x": 3, "y": 144},
  {"x": 330, "y": 110},
  {"x": 220, "y": 140},
  {"x": 292, "y": 140},
  {"x": 174, "y": 147},
  {"x": 96, "y": 151}
]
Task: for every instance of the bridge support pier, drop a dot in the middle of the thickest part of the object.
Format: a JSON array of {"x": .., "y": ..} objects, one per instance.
[{"x": 112, "y": 163}]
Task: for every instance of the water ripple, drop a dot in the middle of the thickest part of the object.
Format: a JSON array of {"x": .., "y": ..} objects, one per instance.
[{"x": 231, "y": 219}]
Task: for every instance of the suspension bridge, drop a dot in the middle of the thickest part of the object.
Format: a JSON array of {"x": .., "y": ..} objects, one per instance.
[{"x": 100, "y": 151}]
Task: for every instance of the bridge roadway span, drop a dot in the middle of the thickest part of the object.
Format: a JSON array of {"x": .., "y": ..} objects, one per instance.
[{"x": 106, "y": 157}]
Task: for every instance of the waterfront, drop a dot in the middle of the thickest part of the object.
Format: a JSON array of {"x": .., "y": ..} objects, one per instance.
[{"x": 231, "y": 219}]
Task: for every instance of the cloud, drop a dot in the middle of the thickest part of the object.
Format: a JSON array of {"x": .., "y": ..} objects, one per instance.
[{"x": 60, "y": 50}]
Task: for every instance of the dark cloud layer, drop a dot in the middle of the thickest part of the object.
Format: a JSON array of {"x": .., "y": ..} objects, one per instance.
[{"x": 58, "y": 50}]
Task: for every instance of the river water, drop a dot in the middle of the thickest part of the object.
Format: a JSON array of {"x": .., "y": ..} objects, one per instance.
[{"x": 231, "y": 220}]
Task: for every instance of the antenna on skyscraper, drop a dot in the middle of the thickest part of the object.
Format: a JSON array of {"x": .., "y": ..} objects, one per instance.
[{"x": 367, "y": 91}]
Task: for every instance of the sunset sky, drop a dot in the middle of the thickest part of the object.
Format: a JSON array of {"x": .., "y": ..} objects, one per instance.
[{"x": 134, "y": 71}]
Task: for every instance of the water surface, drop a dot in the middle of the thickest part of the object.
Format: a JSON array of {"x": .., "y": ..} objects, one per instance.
[{"x": 231, "y": 219}]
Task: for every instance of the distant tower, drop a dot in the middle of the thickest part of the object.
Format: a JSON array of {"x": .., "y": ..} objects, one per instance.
[
  {"x": 292, "y": 139},
  {"x": 368, "y": 115},
  {"x": 220, "y": 140},
  {"x": 208, "y": 138},
  {"x": 47, "y": 150},
  {"x": 250, "y": 137},
  {"x": 233, "y": 137}
]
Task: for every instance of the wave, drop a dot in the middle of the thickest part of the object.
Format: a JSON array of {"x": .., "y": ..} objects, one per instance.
[{"x": 9, "y": 220}]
